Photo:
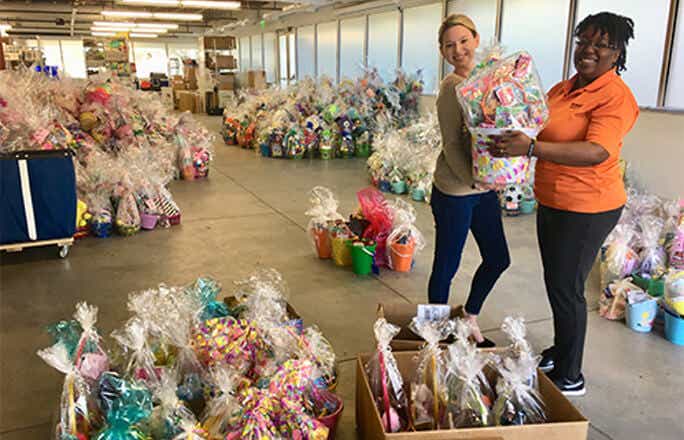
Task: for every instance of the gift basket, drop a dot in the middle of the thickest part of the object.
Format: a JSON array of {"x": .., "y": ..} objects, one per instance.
[
  {"x": 323, "y": 213},
  {"x": 502, "y": 94},
  {"x": 189, "y": 369},
  {"x": 405, "y": 240}
]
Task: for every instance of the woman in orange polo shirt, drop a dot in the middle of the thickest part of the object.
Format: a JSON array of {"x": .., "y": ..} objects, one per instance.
[{"x": 578, "y": 182}]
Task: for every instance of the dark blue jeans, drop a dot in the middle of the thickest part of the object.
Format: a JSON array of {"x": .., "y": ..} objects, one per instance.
[{"x": 454, "y": 216}]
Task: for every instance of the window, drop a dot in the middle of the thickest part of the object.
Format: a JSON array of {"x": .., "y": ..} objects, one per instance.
[
  {"x": 245, "y": 54},
  {"x": 420, "y": 47},
  {"x": 383, "y": 43},
  {"x": 352, "y": 41},
  {"x": 306, "y": 51},
  {"x": 183, "y": 50},
  {"x": 483, "y": 14},
  {"x": 292, "y": 57},
  {"x": 52, "y": 53},
  {"x": 150, "y": 58},
  {"x": 524, "y": 23},
  {"x": 257, "y": 60},
  {"x": 282, "y": 59},
  {"x": 270, "y": 62},
  {"x": 645, "y": 52},
  {"x": 675, "y": 84},
  {"x": 74, "y": 58},
  {"x": 327, "y": 49}
]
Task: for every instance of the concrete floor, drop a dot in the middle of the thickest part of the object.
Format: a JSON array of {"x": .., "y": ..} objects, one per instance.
[{"x": 251, "y": 213}]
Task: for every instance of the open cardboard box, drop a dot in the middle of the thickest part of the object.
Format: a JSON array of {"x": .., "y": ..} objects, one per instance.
[
  {"x": 401, "y": 314},
  {"x": 565, "y": 421}
]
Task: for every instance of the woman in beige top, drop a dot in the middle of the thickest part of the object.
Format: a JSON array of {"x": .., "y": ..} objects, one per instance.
[{"x": 457, "y": 205}]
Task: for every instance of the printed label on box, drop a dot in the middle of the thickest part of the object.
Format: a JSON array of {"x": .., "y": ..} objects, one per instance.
[{"x": 433, "y": 312}]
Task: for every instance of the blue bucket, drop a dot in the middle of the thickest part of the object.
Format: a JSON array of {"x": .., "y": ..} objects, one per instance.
[
  {"x": 418, "y": 194},
  {"x": 640, "y": 316},
  {"x": 385, "y": 186},
  {"x": 399, "y": 187},
  {"x": 265, "y": 150},
  {"x": 674, "y": 328}
]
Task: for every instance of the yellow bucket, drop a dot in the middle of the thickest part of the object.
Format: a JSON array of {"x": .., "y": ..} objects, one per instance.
[{"x": 341, "y": 253}]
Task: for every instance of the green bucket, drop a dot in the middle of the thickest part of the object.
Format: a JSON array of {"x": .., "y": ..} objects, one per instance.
[
  {"x": 326, "y": 152},
  {"x": 362, "y": 150},
  {"x": 362, "y": 258}
]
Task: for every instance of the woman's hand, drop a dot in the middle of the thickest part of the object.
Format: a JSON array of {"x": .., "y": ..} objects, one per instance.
[{"x": 511, "y": 143}]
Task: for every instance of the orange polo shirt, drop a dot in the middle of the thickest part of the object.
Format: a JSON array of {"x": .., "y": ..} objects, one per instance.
[{"x": 603, "y": 112}]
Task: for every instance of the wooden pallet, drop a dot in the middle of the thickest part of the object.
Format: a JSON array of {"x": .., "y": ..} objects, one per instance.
[{"x": 63, "y": 243}]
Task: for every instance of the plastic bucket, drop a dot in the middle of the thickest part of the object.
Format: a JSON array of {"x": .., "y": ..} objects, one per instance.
[
  {"x": 326, "y": 152},
  {"x": 175, "y": 219},
  {"x": 362, "y": 258},
  {"x": 148, "y": 221},
  {"x": 418, "y": 194},
  {"x": 384, "y": 186},
  {"x": 399, "y": 187},
  {"x": 674, "y": 328},
  {"x": 341, "y": 253},
  {"x": 402, "y": 256},
  {"x": 640, "y": 316},
  {"x": 333, "y": 419},
  {"x": 189, "y": 172},
  {"x": 323, "y": 246},
  {"x": 527, "y": 206},
  {"x": 265, "y": 150},
  {"x": 101, "y": 229},
  {"x": 362, "y": 150}
]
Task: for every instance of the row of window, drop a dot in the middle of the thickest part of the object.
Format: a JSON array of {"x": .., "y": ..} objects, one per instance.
[{"x": 408, "y": 39}]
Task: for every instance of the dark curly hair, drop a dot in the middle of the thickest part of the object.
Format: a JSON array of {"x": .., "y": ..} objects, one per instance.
[{"x": 620, "y": 30}]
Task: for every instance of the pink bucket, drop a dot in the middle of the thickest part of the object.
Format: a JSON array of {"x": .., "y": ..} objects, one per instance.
[
  {"x": 148, "y": 221},
  {"x": 333, "y": 419}
]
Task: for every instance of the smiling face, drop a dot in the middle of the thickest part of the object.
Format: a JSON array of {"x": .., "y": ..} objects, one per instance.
[
  {"x": 594, "y": 54},
  {"x": 458, "y": 47}
]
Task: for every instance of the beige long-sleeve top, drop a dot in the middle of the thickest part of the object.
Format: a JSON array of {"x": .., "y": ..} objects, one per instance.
[{"x": 453, "y": 174}]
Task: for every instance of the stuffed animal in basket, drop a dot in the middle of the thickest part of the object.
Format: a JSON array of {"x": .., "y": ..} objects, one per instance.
[{"x": 511, "y": 198}]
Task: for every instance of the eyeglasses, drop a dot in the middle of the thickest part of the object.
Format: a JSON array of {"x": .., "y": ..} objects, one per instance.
[{"x": 584, "y": 44}]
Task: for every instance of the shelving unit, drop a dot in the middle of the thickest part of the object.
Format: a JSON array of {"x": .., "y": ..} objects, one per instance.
[
  {"x": 220, "y": 59},
  {"x": 107, "y": 54}
]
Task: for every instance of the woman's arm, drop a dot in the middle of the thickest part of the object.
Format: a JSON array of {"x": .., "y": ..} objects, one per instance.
[{"x": 576, "y": 154}]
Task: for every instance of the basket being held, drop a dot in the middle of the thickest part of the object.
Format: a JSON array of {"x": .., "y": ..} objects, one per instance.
[{"x": 502, "y": 95}]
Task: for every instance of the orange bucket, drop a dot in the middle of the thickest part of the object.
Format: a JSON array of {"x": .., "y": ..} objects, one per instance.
[
  {"x": 323, "y": 244},
  {"x": 402, "y": 256}
]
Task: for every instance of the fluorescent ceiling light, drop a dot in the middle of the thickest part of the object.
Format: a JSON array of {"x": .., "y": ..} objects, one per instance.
[
  {"x": 135, "y": 25},
  {"x": 232, "y": 5},
  {"x": 103, "y": 34},
  {"x": 128, "y": 29},
  {"x": 134, "y": 35},
  {"x": 157, "y": 15},
  {"x": 177, "y": 16},
  {"x": 132, "y": 14}
]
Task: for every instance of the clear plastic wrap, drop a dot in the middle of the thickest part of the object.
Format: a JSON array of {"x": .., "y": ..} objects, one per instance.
[
  {"x": 206, "y": 290},
  {"x": 405, "y": 240},
  {"x": 74, "y": 409},
  {"x": 674, "y": 291},
  {"x": 377, "y": 211},
  {"x": 90, "y": 358},
  {"x": 222, "y": 411},
  {"x": 613, "y": 299},
  {"x": 653, "y": 256},
  {"x": 192, "y": 431},
  {"x": 122, "y": 424},
  {"x": 518, "y": 401},
  {"x": 468, "y": 389},
  {"x": 502, "y": 95},
  {"x": 323, "y": 212},
  {"x": 385, "y": 379},
  {"x": 619, "y": 259},
  {"x": 428, "y": 386},
  {"x": 166, "y": 419},
  {"x": 140, "y": 359}
]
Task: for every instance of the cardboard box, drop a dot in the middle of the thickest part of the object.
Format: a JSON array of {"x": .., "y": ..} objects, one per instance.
[
  {"x": 220, "y": 43},
  {"x": 225, "y": 98},
  {"x": 189, "y": 101},
  {"x": 225, "y": 62},
  {"x": 252, "y": 79},
  {"x": 401, "y": 314},
  {"x": 225, "y": 82},
  {"x": 565, "y": 421}
]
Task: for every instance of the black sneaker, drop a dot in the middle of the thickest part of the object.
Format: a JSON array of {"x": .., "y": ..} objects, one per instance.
[
  {"x": 571, "y": 388},
  {"x": 547, "y": 363}
]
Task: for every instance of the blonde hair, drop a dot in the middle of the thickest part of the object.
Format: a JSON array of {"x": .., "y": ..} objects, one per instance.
[{"x": 456, "y": 20}]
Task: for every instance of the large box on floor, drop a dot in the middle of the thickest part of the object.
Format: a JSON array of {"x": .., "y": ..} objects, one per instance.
[
  {"x": 188, "y": 101},
  {"x": 401, "y": 314},
  {"x": 226, "y": 82},
  {"x": 565, "y": 421},
  {"x": 37, "y": 196}
]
